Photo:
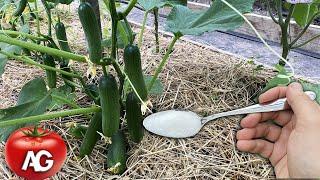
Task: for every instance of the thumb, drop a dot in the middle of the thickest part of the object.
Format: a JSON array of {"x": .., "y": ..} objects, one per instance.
[{"x": 300, "y": 103}]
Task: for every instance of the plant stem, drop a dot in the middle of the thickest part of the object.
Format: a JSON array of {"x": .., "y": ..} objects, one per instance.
[
  {"x": 145, "y": 17},
  {"x": 64, "y": 113},
  {"x": 120, "y": 75},
  {"x": 279, "y": 8},
  {"x": 43, "y": 49},
  {"x": 130, "y": 6},
  {"x": 156, "y": 28},
  {"x": 48, "y": 11},
  {"x": 270, "y": 12},
  {"x": 37, "y": 17},
  {"x": 304, "y": 29},
  {"x": 114, "y": 17},
  {"x": 306, "y": 42},
  {"x": 71, "y": 83},
  {"x": 104, "y": 70},
  {"x": 285, "y": 35},
  {"x": 26, "y": 35},
  {"x": 163, "y": 62},
  {"x": 32, "y": 62},
  {"x": 70, "y": 103}
]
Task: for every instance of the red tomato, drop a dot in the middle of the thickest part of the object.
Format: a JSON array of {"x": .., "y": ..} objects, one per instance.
[{"x": 35, "y": 158}]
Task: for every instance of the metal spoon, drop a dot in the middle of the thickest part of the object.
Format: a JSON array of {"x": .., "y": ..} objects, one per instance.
[{"x": 182, "y": 124}]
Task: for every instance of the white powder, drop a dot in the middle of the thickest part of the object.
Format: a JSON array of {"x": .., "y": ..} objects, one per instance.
[{"x": 176, "y": 124}]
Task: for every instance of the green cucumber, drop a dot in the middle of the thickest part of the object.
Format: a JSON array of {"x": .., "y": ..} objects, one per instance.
[
  {"x": 92, "y": 31},
  {"x": 63, "y": 43},
  {"x": 91, "y": 137},
  {"x": 21, "y": 7},
  {"x": 134, "y": 117},
  {"x": 116, "y": 157},
  {"x": 132, "y": 61},
  {"x": 62, "y": 36},
  {"x": 110, "y": 104},
  {"x": 51, "y": 75}
]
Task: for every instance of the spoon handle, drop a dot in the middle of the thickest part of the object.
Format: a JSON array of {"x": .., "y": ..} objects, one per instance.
[{"x": 277, "y": 105}]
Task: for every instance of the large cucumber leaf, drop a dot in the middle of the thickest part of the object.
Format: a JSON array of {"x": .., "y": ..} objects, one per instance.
[
  {"x": 303, "y": 13},
  {"x": 219, "y": 16},
  {"x": 10, "y": 49},
  {"x": 33, "y": 100},
  {"x": 148, "y": 5}
]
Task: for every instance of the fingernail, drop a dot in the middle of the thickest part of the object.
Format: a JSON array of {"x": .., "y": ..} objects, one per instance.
[{"x": 296, "y": 86}]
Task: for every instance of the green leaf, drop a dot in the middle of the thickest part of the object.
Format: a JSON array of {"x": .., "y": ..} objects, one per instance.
[
  {"x": 149, "y": 5},
  {"x": 32, "y": 91},
  {"x": 61, "y": 96},
  {"x": 157, "y": 87},
  {"x": 312, "y": 87},
  {"x": 176, "y": 2},
  {"x": 303, "y": 13},
  {"x": 219, "y": 16},
  {"x": 283, "y": 78},
  {"x": 10, "y": 49},
  {"x": 33, "y": 100},
  {"x": 78, "y": 131}
]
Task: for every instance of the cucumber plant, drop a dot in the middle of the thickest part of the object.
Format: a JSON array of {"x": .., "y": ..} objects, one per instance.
[
  {"x": 304, "y": 14},
  {"x": 111, "y": 102}
]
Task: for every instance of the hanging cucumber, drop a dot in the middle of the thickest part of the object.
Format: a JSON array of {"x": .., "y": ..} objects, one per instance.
[
  {"x": 92, "y": 31},
  {"x": 51, "y": 75},
  {"x": 21, "y": 7},
  {"x": 63, "y": 43},
  {"x": 62, "y": 36},
  {"x": 132, "y": 61},
  {"x": 110, "y": 104},
  {"x": 134, "y": 117},
  {"x": 91, "y": 137},
  {"x": 116, "y": 158}
]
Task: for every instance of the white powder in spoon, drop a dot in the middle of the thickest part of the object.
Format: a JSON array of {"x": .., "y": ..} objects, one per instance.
[{"x": 176, "y": 124}]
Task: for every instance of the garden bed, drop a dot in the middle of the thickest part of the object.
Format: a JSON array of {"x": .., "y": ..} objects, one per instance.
[{"x": 196, "y": 79}]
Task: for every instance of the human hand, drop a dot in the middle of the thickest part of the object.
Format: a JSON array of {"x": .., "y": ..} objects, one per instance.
[{"x": 290, "y": 139}]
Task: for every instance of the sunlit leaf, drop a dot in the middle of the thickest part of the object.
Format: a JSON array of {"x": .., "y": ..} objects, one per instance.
[
  {"x": 219, "y": 16},
  {"x": 148, "y": 5},
  {"x": 303, "y": 13}
]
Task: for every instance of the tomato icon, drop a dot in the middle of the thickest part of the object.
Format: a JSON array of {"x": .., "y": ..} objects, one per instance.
[{"x": 35, "y": 153}]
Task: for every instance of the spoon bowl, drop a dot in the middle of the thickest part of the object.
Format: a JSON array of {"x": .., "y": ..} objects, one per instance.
[
  {"x": 174, "y": 124},
  {"x": 183, "y": 124}
]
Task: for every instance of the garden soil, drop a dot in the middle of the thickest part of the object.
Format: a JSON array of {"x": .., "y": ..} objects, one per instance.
[{"x": 196, "y": 79}]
